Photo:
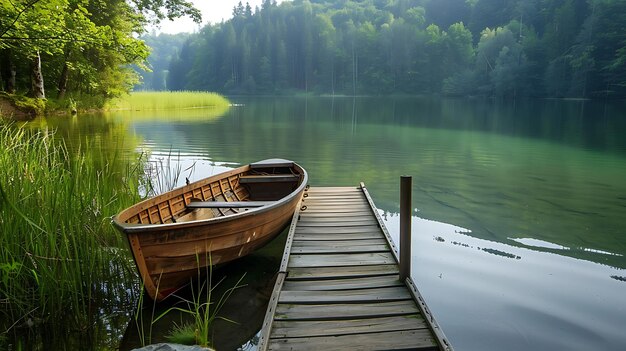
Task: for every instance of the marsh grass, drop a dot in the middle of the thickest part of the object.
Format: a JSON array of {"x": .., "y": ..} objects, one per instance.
[
  {"x": 173, "y": 100},
  {"x": 163, "y": 174},
  {"x": 201, "y": 307},
  {"x": 58, "y": 252}
]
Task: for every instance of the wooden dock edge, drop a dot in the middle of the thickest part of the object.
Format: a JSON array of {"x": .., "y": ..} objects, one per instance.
[
  {"x": 282, "y": 274},
  {"x": 280, "y": 279},
  {"x": 417, "y": 296}
]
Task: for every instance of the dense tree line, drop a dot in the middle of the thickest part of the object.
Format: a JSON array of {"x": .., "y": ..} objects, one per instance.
[
  {"x": 163, "y": 47},
  {"x": 556, "y": 48},
  {"x": 77, "y": 46}
]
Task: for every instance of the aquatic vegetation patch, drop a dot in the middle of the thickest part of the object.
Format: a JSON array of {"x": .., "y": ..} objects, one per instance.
[
  {"x": 172, "y": 100},
  {"x": 58, "y": 252}
]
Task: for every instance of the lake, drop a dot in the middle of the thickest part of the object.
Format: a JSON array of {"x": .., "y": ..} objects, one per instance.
[{"x": 519, "y": 220}]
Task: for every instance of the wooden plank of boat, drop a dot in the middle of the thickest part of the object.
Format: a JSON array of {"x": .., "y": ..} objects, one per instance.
[
  {"x": 228, "y": 204},
  {"x": 268, "y": 178}
]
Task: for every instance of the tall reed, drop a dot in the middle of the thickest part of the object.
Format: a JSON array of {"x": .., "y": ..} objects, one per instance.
[
  {"x": 170, "y": 100},
  {"x": 58, "y": 251}
]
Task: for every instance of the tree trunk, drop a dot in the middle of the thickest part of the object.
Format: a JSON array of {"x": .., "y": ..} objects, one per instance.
[
  {"x": 37, "y": 89},
  {"x": 62, "y": 87},
  {"x": 10, "y": 74},
  {"x": 3, "y": 69}
]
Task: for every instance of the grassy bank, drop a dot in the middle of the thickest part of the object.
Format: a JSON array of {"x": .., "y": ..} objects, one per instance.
[
  {"x": 19, "y": 107},
  {"x": 170, "y": 100},
  {"x": 58, "y": 252}
]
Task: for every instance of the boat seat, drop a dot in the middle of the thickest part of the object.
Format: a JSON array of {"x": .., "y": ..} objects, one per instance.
[
  {"x": 228, "y": 204},
  {"x": 269, "y": 178},
  {"x": 272, "y": 163}
]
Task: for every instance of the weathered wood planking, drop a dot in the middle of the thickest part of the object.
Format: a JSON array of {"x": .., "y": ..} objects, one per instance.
[
  {"x": 343, "y": 284},
  {"x": 295, "y": 329},
  {"x": 287, "y": 312},
  {"x": 419, "y": 339},
  {"x": 319, "y": 273},
  {"x": 338, "y": 287}
]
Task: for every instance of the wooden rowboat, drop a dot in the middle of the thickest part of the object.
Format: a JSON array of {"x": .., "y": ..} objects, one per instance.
[{"x": 210, "y": 221}]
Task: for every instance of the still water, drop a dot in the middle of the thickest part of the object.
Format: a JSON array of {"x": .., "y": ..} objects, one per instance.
[{"x": 519, "y": 220}]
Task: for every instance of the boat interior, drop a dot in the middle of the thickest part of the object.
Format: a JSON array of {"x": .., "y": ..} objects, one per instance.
[{"x": 257, "y": 185}]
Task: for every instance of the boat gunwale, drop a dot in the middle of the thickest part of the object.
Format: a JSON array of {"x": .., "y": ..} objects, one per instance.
[{"x": 138, "y": 228}]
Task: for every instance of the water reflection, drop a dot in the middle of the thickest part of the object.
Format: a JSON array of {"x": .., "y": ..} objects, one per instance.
[
  {"x": 493, "y": 296},
  {"x": 530, "y": 242},
  {"x": 535, "y": 190},
  {"x": 539, "y": 170}
]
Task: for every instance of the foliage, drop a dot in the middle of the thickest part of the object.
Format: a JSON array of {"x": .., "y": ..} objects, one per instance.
[
  {"x": 164, "y": 48},
  {"x": 85, "y": 45},
  {"x": 501, "y": 48}
]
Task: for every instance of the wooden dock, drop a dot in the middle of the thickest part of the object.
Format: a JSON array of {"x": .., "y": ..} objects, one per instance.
[{"x": 338, "y": 286}]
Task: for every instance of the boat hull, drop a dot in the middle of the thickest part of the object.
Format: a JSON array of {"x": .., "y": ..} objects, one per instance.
[{"x": 169, "y": 255}]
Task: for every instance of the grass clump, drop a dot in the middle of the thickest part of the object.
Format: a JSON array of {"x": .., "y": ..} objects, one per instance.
[
  {"x": 173, "y": 100},
  {"x": 58, "y": 252},
  {"x": 203, "y": 309}
]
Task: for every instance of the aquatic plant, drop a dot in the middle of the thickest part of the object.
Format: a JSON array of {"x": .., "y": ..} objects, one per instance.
[
  {"x": 171, "y": 100},
  {"x": 203, "y": 309},
  {"x": 58, "y": 252}
]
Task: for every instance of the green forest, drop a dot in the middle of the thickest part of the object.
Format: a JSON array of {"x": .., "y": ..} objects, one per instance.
[
  {"x": 495, "y": 48},
  {"x": 50, "y": 48},
  {"x": 504, "y": 48}
]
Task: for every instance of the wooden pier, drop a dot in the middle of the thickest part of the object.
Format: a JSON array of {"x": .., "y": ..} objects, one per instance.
[{"x": 338, "y": 287}]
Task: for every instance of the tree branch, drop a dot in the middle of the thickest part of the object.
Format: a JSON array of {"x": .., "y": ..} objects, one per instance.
[
  {"x": 65, "y": 39},
  {"x": 18, "y": 16}
]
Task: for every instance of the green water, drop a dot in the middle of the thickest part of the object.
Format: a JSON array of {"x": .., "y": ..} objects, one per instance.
[{"x": 520, "y": 208}]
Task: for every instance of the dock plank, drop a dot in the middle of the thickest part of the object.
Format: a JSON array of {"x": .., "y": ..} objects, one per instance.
[
  {"x": 306, "y": 223},
  {"x": 299, "y": 329},
  {"x": 326, "y": 260},
  {"x": 313, "y": 214},
  {"x": 324, "y": 217},
  {"x": 338, "y": 230},
  {"x": 412, "y": 339},
  {"x": 294, "y": 312},
  {"x": 338, "y": 287},
  {"x": 335, "y": 237},
  {"x": 344, "y": 284},
  {"x": 339, "y": 249},
  {"x": 321, "y": 273},
  {"x": 339, "y": 246},
  {"x": 343, "y": 296}
]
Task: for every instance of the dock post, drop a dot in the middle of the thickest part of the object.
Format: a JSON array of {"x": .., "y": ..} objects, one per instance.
[{"x": 405, "y": 226}]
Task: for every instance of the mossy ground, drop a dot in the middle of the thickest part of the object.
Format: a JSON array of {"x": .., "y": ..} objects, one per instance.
[{"x": 20, "y": 107}]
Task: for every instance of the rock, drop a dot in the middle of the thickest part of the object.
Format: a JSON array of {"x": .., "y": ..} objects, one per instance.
[{"x": 172, "y": 347}]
